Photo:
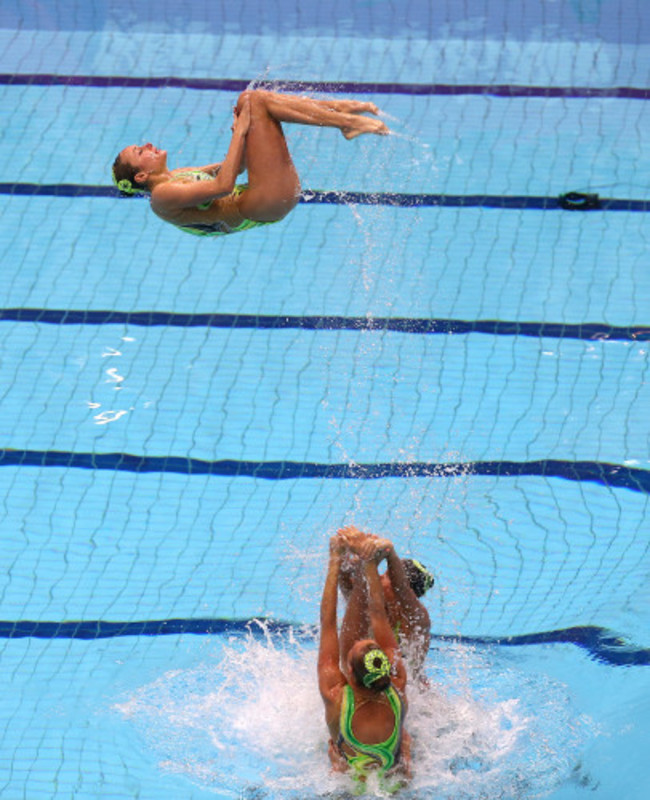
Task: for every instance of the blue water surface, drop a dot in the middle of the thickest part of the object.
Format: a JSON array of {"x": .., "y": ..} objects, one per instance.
[{"x": 231, "y": 710}]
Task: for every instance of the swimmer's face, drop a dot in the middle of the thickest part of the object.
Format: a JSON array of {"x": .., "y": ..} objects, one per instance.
[{"x": 145, "y": 158}]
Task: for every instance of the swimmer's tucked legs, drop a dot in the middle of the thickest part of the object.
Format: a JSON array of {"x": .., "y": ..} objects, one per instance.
[
  {"x": 273, "y": 183},
  {"x": 343, "y": 106},
  {"x": 346, "y": 115}
]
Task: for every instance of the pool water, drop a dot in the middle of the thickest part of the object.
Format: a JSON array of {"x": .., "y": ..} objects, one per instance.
[{"x": 429, "y": 346}]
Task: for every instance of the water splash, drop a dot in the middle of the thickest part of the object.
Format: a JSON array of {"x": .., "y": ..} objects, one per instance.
[{"x": 251, "y": 720}]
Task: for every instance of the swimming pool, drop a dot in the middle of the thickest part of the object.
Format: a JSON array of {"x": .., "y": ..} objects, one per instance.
[{"x": 429, "y": 346}]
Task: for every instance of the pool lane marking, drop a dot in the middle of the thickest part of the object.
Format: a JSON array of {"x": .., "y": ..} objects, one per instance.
[
  {"x": 616, "y": 476},
  {"x": 393, "y": 199},
  {"x": 602, "y": 644},
  {"x": 501, "y": 90},
  {"x": 583, "y": 331}
]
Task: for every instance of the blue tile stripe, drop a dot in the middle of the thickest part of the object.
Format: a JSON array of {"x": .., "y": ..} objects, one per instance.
[
  {"x": 611, "y": 475},
  {"x": 602, "y": 644},
  {"x": 394, "y": 199},
  {"x": 347, "y": 87},
  {"x": 585, "y": 331}
]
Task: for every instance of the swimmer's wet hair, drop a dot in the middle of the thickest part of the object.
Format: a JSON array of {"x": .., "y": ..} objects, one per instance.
[
  {"x": 371, "y": 668},
  {"x": 420, "y": 578},
  {"x": 124, "y": 178}
]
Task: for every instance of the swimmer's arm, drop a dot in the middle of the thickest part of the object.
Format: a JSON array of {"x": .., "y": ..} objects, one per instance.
[
  {"x": 209, "y": 169},
  {"x": 170, "y": 197},
  {"x": 416, "y": 619},
  {"x": 330, "y": 677},
  {"x": 404, "y": 594},
  {"x": 398, "y": 577},
  {"x": 381, "y": 629},
  {"x": 214, "y": 168}
]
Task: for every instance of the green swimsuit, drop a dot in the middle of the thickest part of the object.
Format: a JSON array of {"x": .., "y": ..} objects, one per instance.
[
  {"x": 214, "y": 228},
  {"x": 383, "y": 754}
]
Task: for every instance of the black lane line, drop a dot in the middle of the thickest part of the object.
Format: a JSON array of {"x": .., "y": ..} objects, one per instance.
[
  {"x": 506, "y": 90},
  {"x": 602, "y": 644},
  {"x": 584, "y": 331},
  {"x": 393, "y": 199},
  {"x": 614, "y": 476}
]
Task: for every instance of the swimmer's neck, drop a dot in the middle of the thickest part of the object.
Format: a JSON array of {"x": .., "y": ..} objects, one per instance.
[{"x": 158, "y": 178}]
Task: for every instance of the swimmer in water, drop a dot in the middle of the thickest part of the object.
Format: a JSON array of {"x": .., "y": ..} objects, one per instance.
[
  {"x": 403, "y": 583},
  {"x": 361, "y": 677},
  {"x": 206, "y": 201}
]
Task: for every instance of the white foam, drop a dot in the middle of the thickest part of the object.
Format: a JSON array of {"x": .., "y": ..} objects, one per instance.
[{"x": 253, "y": 718}]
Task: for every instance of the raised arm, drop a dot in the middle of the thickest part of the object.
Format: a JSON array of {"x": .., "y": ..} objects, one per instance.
[
  {"x": 330, "y": 677},
  {"x": 175, "y": 196},
  {"x": 379, "y": 623},
  {"x": 404, "y": 594}
]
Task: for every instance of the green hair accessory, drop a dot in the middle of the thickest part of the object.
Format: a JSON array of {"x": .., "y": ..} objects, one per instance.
[
  {"x": 377, "y": 666},
  {"x": 126, "y": 186}
]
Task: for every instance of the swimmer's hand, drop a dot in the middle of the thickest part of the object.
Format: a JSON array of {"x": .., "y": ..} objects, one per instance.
[
  {"x": 365, "y": 545},
  {"x": 377, "y": 550},
  {"x": 352, "y": 535},
  {"x": 338, "y": 546},
  {"x": 355, "y": 537}
]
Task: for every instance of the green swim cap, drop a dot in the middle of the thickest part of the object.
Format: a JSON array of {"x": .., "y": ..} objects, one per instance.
[
  {"x": 377, "y": 666},
  {"x": 420, "y": 578}
]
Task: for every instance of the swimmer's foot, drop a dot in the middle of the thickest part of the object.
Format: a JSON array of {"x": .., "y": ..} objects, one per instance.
[
  {"x": 363, "y": 124},
  {"x": 354, "y": 107}
]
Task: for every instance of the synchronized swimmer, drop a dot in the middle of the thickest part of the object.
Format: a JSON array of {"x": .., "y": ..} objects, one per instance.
[
  {"x": 207, "y": 201},
  {"x": 362, "y": 676},
  {"x": 403, "y": 584}
]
